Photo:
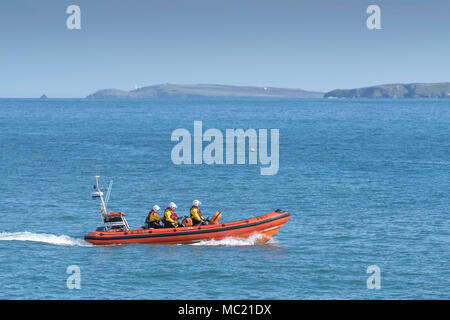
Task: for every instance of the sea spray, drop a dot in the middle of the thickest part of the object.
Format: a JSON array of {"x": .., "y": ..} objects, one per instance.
[{"x": 231, "y": 241}]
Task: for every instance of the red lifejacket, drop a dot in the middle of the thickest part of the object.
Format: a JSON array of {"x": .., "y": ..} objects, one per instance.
[
  {"x": 198, "y": 210},
  {"x": 173, "y": 216}
]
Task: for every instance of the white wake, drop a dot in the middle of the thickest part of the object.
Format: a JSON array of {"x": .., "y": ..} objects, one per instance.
[
  {"x": 231, "y": 241},
  {"x": 62, "y": 240}
]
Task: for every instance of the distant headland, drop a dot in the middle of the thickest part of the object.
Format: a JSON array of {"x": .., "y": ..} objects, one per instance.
[
  {"x": 385, "y": 91},
  {"x": 205, "y": 91},
  {"x": 396, "y": 91}
]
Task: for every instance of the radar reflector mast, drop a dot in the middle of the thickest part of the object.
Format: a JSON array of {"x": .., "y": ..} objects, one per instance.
[{"x": 112, "y": 220}]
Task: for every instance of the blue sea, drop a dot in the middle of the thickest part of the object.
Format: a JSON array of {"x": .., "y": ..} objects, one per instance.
[{"x": 366, "y": 182}]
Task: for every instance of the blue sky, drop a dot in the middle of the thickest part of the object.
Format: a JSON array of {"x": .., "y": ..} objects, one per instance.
[{"x": 313, "y": 44}]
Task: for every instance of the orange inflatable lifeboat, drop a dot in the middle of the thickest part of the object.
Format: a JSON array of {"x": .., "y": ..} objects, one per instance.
[
  {"x": 266, "y": 226},
  {"x": 117, "y": 231}
]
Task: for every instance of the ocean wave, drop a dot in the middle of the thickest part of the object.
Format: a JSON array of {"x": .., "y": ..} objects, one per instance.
[{"x": 62, "y": 240}]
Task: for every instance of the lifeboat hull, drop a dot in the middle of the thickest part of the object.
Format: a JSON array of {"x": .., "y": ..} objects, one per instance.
[{"x": 266, "y": 226}]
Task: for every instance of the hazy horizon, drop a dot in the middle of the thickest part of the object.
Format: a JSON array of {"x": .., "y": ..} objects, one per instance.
[{"x": 309, "y": 45}]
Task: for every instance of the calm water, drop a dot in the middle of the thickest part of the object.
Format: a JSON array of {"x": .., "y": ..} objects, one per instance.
[{"x": 366, "y": 183}]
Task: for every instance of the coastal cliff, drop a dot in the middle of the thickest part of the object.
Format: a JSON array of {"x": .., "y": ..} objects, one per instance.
[{"x": 395, "y": 91}]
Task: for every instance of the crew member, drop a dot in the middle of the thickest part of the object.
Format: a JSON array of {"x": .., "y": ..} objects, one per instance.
[
  {"x": 196, "y": 214},
  {"x": 153, "y": 219},
  {"x": 170, "y": 217}
]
